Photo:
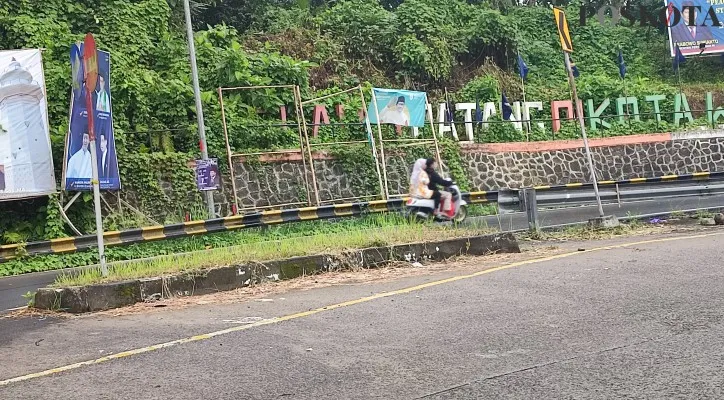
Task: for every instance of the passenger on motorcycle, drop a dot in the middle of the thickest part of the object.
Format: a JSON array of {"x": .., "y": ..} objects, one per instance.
[{"x": 423, "y": 184}]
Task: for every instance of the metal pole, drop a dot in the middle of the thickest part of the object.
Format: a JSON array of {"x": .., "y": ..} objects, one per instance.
[
  {"x": 625, "y": 95},
  {"x": 572, "y": 82},
  {"x": 228, "y": 152},
  {"x": 531, "y": 208},
  {"x": 434, "y": 135},
  {"x": 297, "y": 100},
  {"x": 527, "y": 121},
  {"x": 95, "y": 183},
  {"x": 97, "y": 206},
  {"x": 382, "y": 145},
  {"x": 309, "y": 148},
  {"x": 371, "y": 137},
  {"x": 197, "y": 96},
  {"x": 681, "y": 92}
]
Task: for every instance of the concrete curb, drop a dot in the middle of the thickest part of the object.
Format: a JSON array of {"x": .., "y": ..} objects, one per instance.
[{"x": 106, "y": 296}]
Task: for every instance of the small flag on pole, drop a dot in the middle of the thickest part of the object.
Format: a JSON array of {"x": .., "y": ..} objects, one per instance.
[
  {"x": 478, "y": 111},
  {"x": 621, "y": 65},
  {"x": 574, "y": 69},
  {"x": 678, "y": 58},
  {"x": 506, "y": 108},
  {"x": 522, "y": 67},
  {"x": 448, "y": 110}
]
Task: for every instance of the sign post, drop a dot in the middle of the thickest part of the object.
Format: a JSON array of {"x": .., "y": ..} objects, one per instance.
[
  {"x": 567, "y": 46},
  {"x": 90, "y": 61}
]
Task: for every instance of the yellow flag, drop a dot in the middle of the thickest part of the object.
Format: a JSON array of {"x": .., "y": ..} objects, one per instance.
[{"x": 563, "y": 33}]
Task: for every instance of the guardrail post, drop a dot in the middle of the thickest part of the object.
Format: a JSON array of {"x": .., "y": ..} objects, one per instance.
[
  {"x": 527, "y": 197},
  {"x": 509, "y": 201}
]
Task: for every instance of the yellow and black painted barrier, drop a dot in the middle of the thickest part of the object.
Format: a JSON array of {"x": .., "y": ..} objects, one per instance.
[
  {"x": 257, "y": 219},
  {"x": 266, "y": 218}
]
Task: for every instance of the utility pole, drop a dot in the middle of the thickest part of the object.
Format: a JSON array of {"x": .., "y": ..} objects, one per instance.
[{"x": 197, "y": 96}]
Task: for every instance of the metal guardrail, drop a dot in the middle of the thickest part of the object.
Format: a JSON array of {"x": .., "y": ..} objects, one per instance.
[
  {"x": 578, "y": 194},
  {"x": 257, "y": 219},
  {"x": 509, "y": 200},
  {"x": 614, "y": 195}
]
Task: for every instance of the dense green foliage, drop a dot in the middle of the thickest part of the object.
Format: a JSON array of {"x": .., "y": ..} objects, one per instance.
[{"x": 468, "y": 47}]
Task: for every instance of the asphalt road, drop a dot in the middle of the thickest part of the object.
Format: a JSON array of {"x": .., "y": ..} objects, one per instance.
[
  {"x": 642, "y": 321},
  {"x": 12, "y": 289}
]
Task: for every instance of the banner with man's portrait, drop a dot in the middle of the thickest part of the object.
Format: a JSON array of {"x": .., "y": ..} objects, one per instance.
[
  {"x": 398, "y": 107},
  {"x": 207, "y": 174},
  {"x": 26, "y": 161},
  {"x": 701, "y": 37},
  {"x": 77, "y": 167}
]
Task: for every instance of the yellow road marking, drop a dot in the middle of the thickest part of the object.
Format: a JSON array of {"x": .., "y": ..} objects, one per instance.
[{"x": 334, "y": 307}]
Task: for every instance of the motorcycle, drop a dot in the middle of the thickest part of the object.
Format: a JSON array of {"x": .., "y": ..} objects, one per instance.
[{"x": 423, "y": 208}]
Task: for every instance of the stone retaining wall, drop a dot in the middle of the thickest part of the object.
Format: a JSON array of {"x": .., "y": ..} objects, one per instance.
[
  {"x": 514, "y": 165},
  {"x": 280, "y": 180}
]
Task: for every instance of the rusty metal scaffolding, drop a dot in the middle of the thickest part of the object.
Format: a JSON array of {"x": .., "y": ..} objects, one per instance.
[
  {"x": 370, "y": 140},
  {"x": 231, "y": 155},
  {"x": 307, "y": 148},
  {"x": 407, "y": 142}
]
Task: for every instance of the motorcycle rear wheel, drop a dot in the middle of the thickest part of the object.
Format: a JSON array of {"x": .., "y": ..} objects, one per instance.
[{"x": 461, "y": 214}]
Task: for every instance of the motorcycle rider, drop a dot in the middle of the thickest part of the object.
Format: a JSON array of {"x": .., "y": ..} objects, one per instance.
[{"x": 439, "y": 195}]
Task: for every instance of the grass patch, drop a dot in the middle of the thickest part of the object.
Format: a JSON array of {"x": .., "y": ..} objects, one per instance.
[
  {"x": 677, "y": 215},
  {"x": 259, "y": 251},
  {"x": 482, "y": 210},
  {"x": 703, "y": 214},
  {"x": 583, "y": 232},
  {"x": 135, "y": 251}
]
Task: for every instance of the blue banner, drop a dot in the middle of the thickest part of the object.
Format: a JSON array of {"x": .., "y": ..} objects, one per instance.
[
  {"x": 398, "y": 107},
  {"x": 77, "y": 171},
  {"x": 703, "y": 36}
]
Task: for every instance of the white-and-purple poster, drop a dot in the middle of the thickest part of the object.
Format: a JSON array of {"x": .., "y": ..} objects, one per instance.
[
  {"x": 207, "y": 174},
  {"x": 77, "y": 168}
]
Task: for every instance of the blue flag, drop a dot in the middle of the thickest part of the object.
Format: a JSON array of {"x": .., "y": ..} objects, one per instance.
[
  {"x": 574, "y": 69},
  {"x": 448, "y": 111},
  {"x": 621, "y": 65},
  {"x": 506, "y": 108},
  {"x": 478, "y": 111},
  {"x": 522, "y": 67},
  {"x": 678, "y": 58}
]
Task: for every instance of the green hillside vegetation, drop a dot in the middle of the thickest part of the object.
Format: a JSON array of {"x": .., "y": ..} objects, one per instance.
[{"x": 466, "y": 47}]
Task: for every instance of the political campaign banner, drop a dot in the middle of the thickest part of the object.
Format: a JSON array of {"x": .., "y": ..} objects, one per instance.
[
  {"x": 77, "y": 167},
  {"x": 701, "y": 37},
  {"x": 26, "y": 161},
  {"x": 398, "y": 107},
  {"x": 207, "y": 174}
]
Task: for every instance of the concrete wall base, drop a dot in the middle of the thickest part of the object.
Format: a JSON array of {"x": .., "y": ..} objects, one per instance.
[{"x": 118, "y": 294}]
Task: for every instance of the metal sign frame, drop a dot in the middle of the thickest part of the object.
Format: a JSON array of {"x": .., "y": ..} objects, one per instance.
[
  {"x": 230, "y": 155},
  {"x": 370, "y": 141}
]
